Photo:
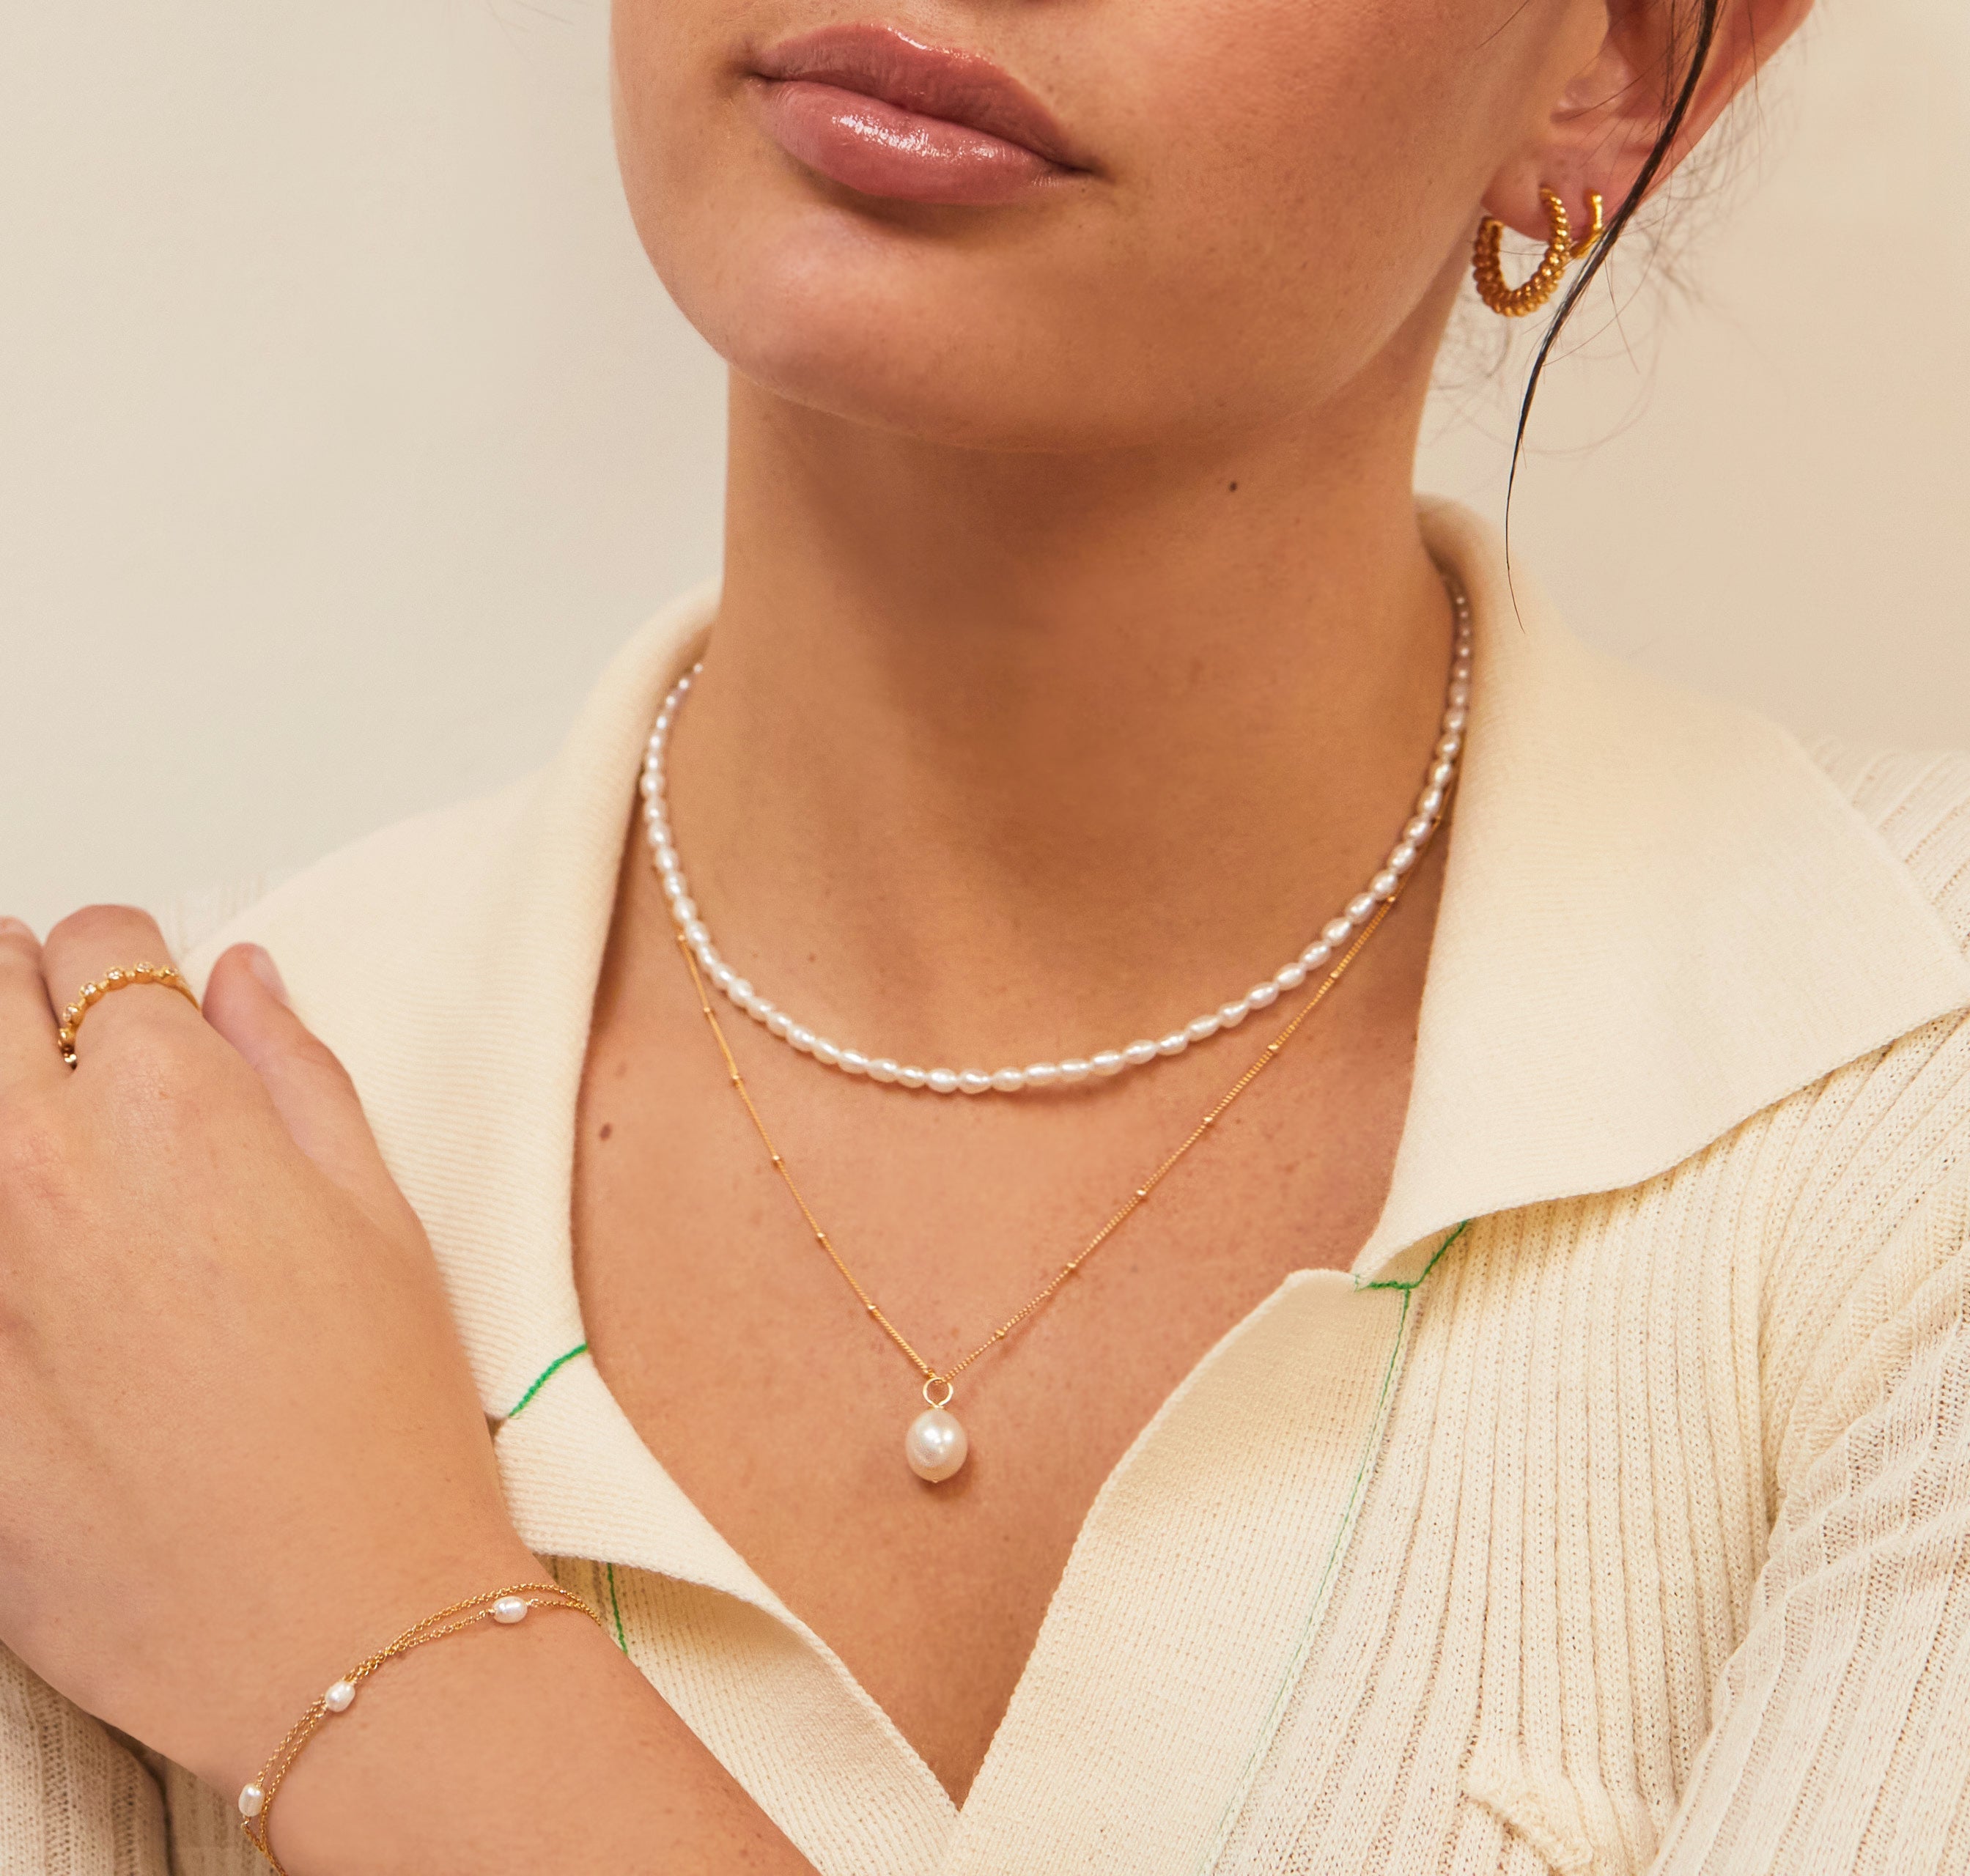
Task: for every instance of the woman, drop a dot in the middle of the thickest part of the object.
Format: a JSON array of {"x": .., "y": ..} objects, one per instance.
[{"x": 1522, "y": 1430}]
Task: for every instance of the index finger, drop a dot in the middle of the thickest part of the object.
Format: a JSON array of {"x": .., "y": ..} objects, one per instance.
[{"x": 113, "y": 956}]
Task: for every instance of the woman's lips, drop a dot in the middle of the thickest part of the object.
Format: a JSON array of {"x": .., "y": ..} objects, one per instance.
[{"x": 876, "y": 111}]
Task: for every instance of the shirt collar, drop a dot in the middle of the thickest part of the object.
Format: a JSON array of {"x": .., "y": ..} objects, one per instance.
[{"x": 1658, "y": 917}]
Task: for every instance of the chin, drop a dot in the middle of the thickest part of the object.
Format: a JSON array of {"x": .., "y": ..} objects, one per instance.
[{"x": 905, "y": 327}]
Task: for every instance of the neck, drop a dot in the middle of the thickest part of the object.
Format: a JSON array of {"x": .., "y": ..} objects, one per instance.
[{"x": 998, "y": 752}]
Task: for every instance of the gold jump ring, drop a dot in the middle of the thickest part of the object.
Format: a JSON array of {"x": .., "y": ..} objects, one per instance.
[{"x": 91, "y": 994}]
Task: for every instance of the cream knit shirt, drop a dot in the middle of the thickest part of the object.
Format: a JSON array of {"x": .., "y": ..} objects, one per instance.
[{"x": 1612, "y": 1515}]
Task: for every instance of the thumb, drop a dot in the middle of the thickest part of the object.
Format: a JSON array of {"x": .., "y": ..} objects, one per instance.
[{"x": 246, "y": 1002}]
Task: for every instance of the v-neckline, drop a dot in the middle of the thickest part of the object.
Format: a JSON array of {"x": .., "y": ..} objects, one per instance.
[{"x": 1243, "y": 1487}]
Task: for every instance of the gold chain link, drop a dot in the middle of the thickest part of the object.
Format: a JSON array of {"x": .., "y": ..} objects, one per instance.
[{"x": 943, "y": 1378}]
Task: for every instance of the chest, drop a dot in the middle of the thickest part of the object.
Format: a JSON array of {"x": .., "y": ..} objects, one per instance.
[{"x": 748, "y": 1367}]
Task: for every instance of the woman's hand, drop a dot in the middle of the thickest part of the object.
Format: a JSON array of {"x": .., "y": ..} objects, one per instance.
[{"x": 241, "y": 1444}]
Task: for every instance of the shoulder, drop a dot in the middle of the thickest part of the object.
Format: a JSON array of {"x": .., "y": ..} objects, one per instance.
[
  {"x": 1907, "y": 1104},
  {"x": 1871, "y": 1167},
  {"x": 515, "y": 878},
  {"x": 1919, "y": 803},
  {"x": 414, "y": 874}
]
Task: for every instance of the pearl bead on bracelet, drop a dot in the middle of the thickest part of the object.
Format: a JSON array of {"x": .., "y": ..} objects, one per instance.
[{"x": 1069, "y": 1072}]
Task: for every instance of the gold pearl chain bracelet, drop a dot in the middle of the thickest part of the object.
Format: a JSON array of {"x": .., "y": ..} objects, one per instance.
[{"x": 505, "y": 1607}]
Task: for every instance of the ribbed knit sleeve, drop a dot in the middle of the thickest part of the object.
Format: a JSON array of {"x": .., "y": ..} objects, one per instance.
[
  {"x": 74, "y": 1801},
  {"x": 1841, "y": 1740}
]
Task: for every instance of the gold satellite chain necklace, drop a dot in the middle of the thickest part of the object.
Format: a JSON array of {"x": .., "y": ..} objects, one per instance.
[{"x": 936, "y": 1445}]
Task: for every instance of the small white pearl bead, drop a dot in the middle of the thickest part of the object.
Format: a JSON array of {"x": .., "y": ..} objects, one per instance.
[
  {"x": 1360, "y": 908},
  {"x": 1336, "y": 933},
  {"x": 759, "y": 1009},
  {"x": 1404, "y": 857},
  {"x": 1074, "y": 1069},
  {"x": 684, "y": 909},
  {"x": 941, "y": 1081},
  {"x": 972, "y": 1082},
  {"x": 1441, "y": 775},
  {"x": 1456, "y": 718},
  {"x": 1008, "y": 1080},
  {"x": 884, "y": 1070},
  {"x": 912, "y": 1078},
  {"x": 852, "y": 1062},
  {"x": 695, "y": 932},
  {"x": 1431, "y": 803},
  {"x": 1263, "y": 996},
  {"x": 1385, "y": 884},
  {"x": 1417, "y": 830},
  {"x": 782, "y": 1025},
  {"x": 1138, "y": 1055},
  {"x": 1231, "y": 1014},
  {"x": 252, "y": 1801},
  {"x": 1202, "y": 1030},
  {"x": 1315, "y": 955},
  {"x": 1110, "y": 1062},
  {"x": 802, "y": 1039},
  {"x": 724, "y": 977},
  {"x": 509, "y": 1610},
  {"x": 1460, "y": 696},
  {"x": 1174, "y": 1043},
  {"x": 1043, "y": 1074},
  {"x": 827, "y": 1052},
  {"x": 339, "y": 1697},
  {"x": 1448, "y": 746},
  {"x": 1291, "y": 977}
]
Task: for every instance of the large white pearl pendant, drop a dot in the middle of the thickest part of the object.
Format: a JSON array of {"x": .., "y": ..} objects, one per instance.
[{"x": 937, "y": 1445}]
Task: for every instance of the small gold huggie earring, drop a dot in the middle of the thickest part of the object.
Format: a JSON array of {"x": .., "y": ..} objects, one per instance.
[{"x": 1487, "y": 266}]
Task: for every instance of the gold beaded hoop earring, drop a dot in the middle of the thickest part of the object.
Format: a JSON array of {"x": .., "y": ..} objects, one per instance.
[{"x": 1561, "y": 250}]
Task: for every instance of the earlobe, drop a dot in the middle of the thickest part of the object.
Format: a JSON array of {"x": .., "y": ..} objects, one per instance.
[
  {"x": 1598, "y": 136},
  {"x": 1608, "y": 122}
]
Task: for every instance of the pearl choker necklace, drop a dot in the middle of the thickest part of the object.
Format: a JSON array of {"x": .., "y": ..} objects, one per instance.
[{"x": 1334, "y": 939}]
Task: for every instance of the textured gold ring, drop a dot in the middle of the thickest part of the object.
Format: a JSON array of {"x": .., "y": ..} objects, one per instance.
[{"x": 91, "y": 994}]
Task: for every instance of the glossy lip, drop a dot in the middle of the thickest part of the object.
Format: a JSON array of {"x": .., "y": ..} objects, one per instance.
[{"x": 886, "y": 115}]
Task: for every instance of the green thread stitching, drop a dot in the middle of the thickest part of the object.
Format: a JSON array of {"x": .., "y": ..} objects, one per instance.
[
  {"x": 546, "y": 1374},
  {"x": 1283, "y": 1692},
  {"x": 1416, "y": 1282},
  {"x": 615, "y": 1610}
]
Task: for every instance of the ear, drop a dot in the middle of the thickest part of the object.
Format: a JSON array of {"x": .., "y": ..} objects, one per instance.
[{"x": 1602, "y": 129}]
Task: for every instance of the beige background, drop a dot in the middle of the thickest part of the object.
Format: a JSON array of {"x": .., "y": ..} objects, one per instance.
[{"x": 345, "y": 433}]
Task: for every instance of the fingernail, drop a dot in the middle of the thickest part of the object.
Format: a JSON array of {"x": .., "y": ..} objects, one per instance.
[{"x": 261, "y": 962}]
